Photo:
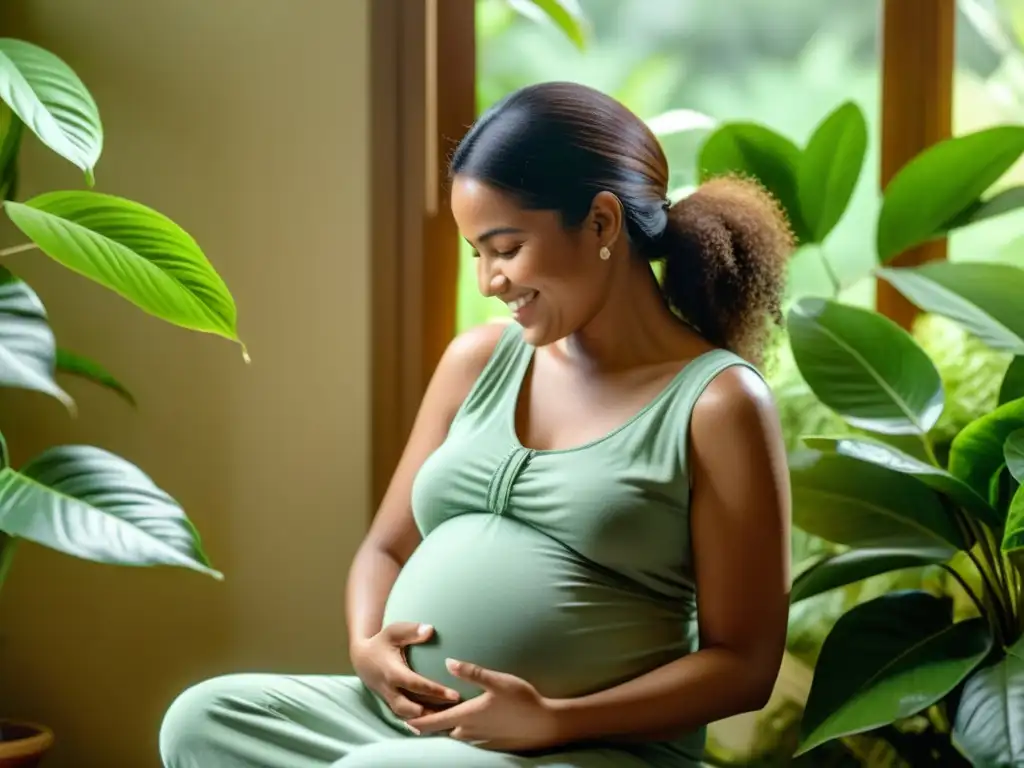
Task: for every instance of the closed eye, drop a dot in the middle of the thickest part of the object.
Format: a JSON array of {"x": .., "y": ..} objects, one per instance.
[{"x": 500, "y": 254}]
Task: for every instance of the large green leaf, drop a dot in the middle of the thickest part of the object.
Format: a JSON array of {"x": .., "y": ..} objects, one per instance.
[
  {"x": 888, "y": 659},
  {"x": 752, "y": 150},
  {"x": 10, "y": 144},
  {"x": 892, "y": 458},
  {"x": 1013, "y": 381},
  {"x": 81, "y": 366},
  {"x": 989, "y": 724},
  {"x": 976, "y": 453},
  {"x": 860, "y": 504},
  {"x": 92, "y": 504},
  {"x": 565, "y": 15},
  {"x": 865, "y": 367},
  {"x": 1013, "y": 534},
  {"x": 27, "y": 347},
  {"x": 52, "y": 101},
  {"x": 1013, "y": 452},
  {"x": 134, "y": 251},
  {"x": 983, "y": 298},
  {"x": 989, "y": 208},
  {"x": 830, "y": 167},
  {"x": 846, "y": 568},
  {"x": 940, "y": 184}
]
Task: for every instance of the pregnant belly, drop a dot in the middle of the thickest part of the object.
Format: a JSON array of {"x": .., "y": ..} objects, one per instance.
[{"x": 503, "y": 595}]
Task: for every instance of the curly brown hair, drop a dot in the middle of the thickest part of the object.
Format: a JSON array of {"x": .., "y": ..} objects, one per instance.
[
  {"x": 554, "y": 146},
  {"x": 725, "y": 250}
]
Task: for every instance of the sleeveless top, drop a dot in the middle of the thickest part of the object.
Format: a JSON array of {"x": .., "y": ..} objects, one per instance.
[{"x": 570, "y": 568}]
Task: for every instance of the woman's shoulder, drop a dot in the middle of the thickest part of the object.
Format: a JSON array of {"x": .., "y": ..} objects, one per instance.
[
  {"x": 737, "y": 403},
  {"x": 462, "y": 363},
  {"x": 468, "y": 353}
]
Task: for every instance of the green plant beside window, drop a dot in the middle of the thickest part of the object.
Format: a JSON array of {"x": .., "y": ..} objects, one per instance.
[{"x": 902, "y": 653}]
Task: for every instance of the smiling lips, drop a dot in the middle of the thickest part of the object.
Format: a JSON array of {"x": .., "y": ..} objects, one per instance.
[{"x": 516, "y": 305}]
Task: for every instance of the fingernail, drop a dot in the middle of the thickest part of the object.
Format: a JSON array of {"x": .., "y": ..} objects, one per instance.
[
  {"x": 414, "y": 731},
  {"x": 452, "y": 695},
  {"x": 452, "y": 664},
  {"x": 424, "y": 629}
]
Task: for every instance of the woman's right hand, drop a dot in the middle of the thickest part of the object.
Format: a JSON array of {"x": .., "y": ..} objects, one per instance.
[{"x": 380, "y": 663}]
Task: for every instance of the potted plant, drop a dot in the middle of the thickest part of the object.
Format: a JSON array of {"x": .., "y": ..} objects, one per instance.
[{"x": 81, "y": 499}]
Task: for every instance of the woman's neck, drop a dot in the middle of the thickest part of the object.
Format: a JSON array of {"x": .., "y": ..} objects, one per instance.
[{"x": 634, "y": 327}]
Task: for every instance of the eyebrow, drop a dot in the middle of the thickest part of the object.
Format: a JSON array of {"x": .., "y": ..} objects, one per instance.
[{"x": 498, "y": 231}]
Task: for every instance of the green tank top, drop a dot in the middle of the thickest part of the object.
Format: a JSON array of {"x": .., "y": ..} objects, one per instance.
[{"x": 569, "y": 568}]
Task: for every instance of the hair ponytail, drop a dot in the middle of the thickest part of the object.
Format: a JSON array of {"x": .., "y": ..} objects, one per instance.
[{"x": 725, "y": 249}]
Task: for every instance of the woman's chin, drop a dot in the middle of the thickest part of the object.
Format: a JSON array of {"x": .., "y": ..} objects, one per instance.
[{"x": 537, "y": 335}]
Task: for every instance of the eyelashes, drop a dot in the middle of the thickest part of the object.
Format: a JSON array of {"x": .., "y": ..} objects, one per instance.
[{"x": 500, "y": 254}]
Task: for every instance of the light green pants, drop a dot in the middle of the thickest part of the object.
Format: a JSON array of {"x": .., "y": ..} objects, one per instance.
[{"x": 280, "y": 721}]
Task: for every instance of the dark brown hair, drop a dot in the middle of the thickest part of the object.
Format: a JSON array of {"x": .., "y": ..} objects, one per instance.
[{"x": 554, "y": 146}]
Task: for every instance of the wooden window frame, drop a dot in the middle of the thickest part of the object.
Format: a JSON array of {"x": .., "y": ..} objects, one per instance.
[
  {"x": 423, "y": 80},
  {"x": 918, "y": 56},
  {"x": 423, "y": 99}
]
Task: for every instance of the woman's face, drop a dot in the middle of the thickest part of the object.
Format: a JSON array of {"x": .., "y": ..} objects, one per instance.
[{"x": 552, "y": 279}]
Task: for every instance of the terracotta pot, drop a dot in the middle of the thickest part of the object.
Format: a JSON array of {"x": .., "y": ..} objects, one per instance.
[{"x": 23, "y": 745}]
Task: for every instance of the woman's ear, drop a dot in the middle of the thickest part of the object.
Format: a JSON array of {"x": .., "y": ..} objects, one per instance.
[{"x": 606, "y": 219}]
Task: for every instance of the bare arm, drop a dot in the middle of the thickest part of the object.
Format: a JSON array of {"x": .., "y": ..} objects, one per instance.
[
  {"x": 740, "y": 533},
  {"x": 393, "y": 535}
]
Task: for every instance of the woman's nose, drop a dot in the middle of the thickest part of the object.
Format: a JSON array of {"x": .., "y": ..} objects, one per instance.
[
  {"x": 492, "y": 283},
  {"x": 499, "y": 284}
]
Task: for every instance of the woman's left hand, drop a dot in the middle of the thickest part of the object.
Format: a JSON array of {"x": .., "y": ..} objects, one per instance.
[{"x": 509, "y": 716}]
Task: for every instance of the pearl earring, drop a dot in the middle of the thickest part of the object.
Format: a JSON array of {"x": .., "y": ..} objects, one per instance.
[{"x": 605, "y": 253}]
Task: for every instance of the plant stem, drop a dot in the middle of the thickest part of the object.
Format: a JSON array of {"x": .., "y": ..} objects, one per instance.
[
  {"x": 1004, "y": 575},
  {"x": 938, "y": 717},
  {"x": 17, "y": 249},
  {"x": 991, "y": 598},
  {"x": 994, "y": 596},
  {"x": 994, "y": 561},
  {"x": 1013, "y": 581},
  {"x": 837, "y": 287},
  {"x": 967, "y": 588}
]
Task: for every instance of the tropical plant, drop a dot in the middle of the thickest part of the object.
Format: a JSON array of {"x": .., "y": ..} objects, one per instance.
[
  {"x": 80, "y": 499},
  {"x": 890, "y": 492},
  {"x": 903, "y": 653}
]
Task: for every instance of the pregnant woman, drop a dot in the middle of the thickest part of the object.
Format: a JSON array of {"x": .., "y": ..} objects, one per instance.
[{"x": 582, "y": 558}]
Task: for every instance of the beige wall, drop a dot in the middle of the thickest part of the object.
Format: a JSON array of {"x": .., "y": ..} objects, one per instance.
[{"x": 247, "y": 122}]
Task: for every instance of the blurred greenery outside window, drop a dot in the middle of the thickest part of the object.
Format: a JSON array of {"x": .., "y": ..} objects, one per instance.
[{"x": 782, "y": 63}]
